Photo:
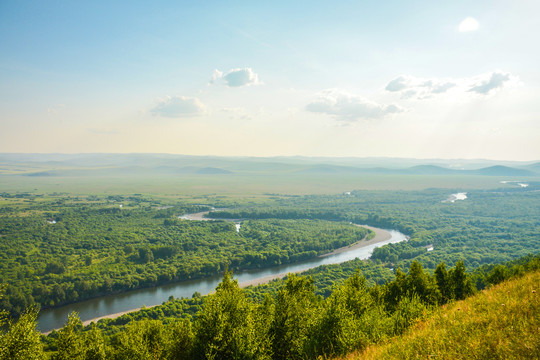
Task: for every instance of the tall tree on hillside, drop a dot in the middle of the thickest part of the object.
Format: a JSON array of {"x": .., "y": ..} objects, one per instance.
[
  {"x": 293, "y": 317},
  {"x": 395, "y": 290},
  {"x": 225, "y": 329},
  {"x": 443, "y": 282},
  {"x": 70, "y": 342},
  {"x": 21, "y": 340},
  {"x": 420, "y": 283},
  {"x": 337, "y": 330},
  {"x": 461, "y": 282}
]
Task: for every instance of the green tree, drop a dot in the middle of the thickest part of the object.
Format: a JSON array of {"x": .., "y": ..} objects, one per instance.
[
  {"x": 70, "y": 342},
  {"x": 395, "y": 290},
  {"x": 334, "y": 331},
  {"x": 225, "y": 329},
  {"x": 293, "y": 317},
  {"x": 144, "y": 339},
  {"x": 94, "y": 344},
  {"x": 418, "y": 282},
  {"x": 461, "y": 282},
  {"x": 181, "y": 345},
  {"x": 21, "y": 341},
  {"x": 498, "y": 274},
  {"x": 443, "y": 282}
]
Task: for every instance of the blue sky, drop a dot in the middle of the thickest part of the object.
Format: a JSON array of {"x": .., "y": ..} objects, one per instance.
[{"x": 347, "y": 78}]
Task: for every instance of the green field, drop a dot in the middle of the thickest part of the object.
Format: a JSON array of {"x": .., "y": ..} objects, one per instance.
[{"x": 242, "y": 185}]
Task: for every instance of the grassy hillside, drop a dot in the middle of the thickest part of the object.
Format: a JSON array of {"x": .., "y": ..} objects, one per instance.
[{"x": 500, "y": 323}]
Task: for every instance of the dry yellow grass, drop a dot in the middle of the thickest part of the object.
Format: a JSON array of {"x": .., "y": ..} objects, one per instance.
[{"x": 500, "y": 323}]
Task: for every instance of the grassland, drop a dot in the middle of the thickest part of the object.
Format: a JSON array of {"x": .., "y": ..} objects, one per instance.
[
  {"x": 234, "y": 185},
  {"x": 499, "y": 323}
]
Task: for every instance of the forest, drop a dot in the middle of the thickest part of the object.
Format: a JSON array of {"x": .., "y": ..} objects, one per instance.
[
  {"x": 67, "y": 250},
  {"x": 61, "y": 248}
]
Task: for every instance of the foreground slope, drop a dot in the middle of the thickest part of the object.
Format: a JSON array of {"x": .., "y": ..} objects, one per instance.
[{"x": 500, "y": 323}]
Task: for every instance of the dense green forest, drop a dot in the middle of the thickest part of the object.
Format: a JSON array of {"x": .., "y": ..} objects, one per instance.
[
  {"x": 59, "y": 250},
  {"x": 488, "y": 227}
]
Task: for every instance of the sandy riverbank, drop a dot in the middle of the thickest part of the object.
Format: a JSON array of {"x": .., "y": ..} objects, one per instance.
[{"x": 380, "y": 236}]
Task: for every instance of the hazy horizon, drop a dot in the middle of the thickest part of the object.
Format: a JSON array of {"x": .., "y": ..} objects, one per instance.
[
  {"x": 344, "y": 157},
  {"x": 415, "y": 80}
]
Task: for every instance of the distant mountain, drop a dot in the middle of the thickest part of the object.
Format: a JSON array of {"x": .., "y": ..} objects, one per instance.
[
  {"x": 500, "y": 170},
  {"x": 533, "y": 167},
  {"x": 41, "y": 165},
  {"x": 330, "y": 169},
  {"x": 429, "y": 170}
]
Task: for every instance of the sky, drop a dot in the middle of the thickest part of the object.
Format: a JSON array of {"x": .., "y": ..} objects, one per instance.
[{"x": 422, "y": 79}]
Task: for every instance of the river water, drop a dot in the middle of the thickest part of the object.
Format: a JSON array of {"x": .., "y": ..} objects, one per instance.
[{"x": 112, "y": 304}]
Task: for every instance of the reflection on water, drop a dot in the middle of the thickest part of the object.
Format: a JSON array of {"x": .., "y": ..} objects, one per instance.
[{"x": 453, "y": 197}]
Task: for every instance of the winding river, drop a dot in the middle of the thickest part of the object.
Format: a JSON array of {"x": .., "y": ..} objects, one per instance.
[{"x": 117, "y": 304}]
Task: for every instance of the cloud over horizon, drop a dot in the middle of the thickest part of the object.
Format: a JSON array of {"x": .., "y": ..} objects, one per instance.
[
  {"x": 423, "y": 88},
  {"x": 179, "y": 107},
  {"x": 349, "y": 107},
  {"x": 236, "y": 77}
]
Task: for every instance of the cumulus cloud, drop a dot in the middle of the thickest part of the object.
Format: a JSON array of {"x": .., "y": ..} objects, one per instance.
[
  {"x": 235, "y": 77},
  {"x": 410, "y": 86},
  {"x": 421, "y": 88},
  {"x": 495, "y": 81},
  {"x": 179, "y": 107},
  {"x": 349, "y": 107},
  {"x": 400, "y": 83}
]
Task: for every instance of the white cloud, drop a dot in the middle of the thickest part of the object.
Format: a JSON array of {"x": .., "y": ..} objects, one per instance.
[
  {"x": 179, "y": 107},
  {"x": 349, "y": 107},
  {"x": 236, "y": 77},
  {"x": 410, "y": 86},
  {"x": 495, "y": 81},
  {"x": 421, "y": 88},
  {"x": 400, "y": 83},
  {"x": 468, "y": 24}
]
